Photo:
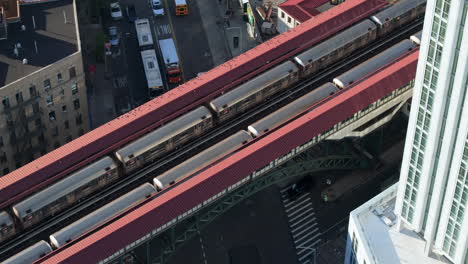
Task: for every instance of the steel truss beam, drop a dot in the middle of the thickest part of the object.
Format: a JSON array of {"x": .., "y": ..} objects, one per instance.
[{"x": 300, "y": 165}]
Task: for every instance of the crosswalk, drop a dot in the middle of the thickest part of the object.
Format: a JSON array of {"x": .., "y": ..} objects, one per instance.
[{"x": 302, "y": 224}]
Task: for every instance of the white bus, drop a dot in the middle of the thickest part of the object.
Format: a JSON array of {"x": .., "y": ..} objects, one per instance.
[
  {"x": 153, "y": 75},
  {"x": 143, "y": 29}
]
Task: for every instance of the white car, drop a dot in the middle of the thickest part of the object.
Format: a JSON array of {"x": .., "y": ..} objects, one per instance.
[
  {"x": 116, "y": 11},
  {"x": 158, "y": 9}
]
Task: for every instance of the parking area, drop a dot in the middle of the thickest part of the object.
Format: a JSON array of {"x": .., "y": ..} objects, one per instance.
[{"x": 201, "y": 40}]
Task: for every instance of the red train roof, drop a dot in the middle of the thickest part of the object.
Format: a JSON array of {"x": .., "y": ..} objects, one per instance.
[
  {"x": 192, "y": 192},
  {"x": 50, "y": 167}
]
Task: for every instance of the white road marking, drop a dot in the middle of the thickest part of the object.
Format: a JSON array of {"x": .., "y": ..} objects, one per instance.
[
  {"x": 299, "y": 203},
  {"x": 299, "y": 215},
  {"x": 304, "y": 230}
]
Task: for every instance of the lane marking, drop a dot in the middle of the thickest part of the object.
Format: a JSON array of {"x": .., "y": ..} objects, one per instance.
[
  {"x": 295, "y": 236},
  {"x": 301, "y": 214},
  {"x": 300, "y": 203},
  {"x": 303, "y": 244}
]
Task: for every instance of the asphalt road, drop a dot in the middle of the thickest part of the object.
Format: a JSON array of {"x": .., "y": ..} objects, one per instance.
[
  {"x": 254, "y": 231},
  {"x": 127, "y": 73}
]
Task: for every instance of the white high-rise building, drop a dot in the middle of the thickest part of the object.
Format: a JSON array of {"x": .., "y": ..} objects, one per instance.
[{"x": 430, "y": 209}]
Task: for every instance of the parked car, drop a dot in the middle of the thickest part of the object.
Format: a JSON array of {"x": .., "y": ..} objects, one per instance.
[
  {"x": 116, "y": 11},
  {"x": 131, "y": 13},
  {"x": 158, "y": 9},
  {"x": 114, "y": 38}
]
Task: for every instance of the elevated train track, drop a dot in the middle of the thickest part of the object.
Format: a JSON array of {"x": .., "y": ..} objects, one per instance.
[
  {"x": 130, "y": 182},
  {"x": 93, "y": 145},
  {"x": 187, "y": 196}
]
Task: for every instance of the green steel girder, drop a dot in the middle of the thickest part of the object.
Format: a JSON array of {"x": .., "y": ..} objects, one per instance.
[{"x": 290, "y": 169}]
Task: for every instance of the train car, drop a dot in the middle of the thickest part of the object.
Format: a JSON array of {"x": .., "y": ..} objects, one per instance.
[
  {"x": 286, "y": 112},
  {"x": 7, "y": 226},
  {"x": 66, "y": 192},
  {"x": 336, "y": 47},
  {"x": 373, "y": 64},
  {"x": 30, "y": 254},
  {"x": 101, "y": 215},
  {"x": 164, "y": 139},
  {"x": 416, "y": 38},
  {"x": 398, "y": 14},
  {"x": 201, "y": 160},
  {"x": 255, "y": 91}
]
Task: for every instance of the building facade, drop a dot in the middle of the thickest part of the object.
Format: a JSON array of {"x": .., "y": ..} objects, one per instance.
[
  {"x": 43, "y": 94},
  {"x": 430, "y": 222},
  {"x": 433, "y": 191}
]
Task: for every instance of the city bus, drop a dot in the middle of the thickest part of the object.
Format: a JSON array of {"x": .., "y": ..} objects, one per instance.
[{"x": 152, "y": 73}]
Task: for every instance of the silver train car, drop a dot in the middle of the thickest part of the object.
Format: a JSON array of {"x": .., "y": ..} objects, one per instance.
[
  {"x": 101, "y": 215},
  {"x": 7, "y": 226},
  {"x": 66, "y": 192},
  {"x": 177, "y": 132},
  {"x": 30, "y": 254},
  {"x": 290, "y": 110},
  {"x": 255, "y": 91},
  {"x": 398, "y": 14},
  {"x": 164, "y": 139},
  {"x": 202, "y": 159},
  {"x": 416, "y": 38},
  {"x": 337, "y": 47},
  {"x": 373, "y": 64}
]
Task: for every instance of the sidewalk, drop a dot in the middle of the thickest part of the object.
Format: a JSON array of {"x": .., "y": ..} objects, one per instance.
[
  {"x": 221, "y": 31},
  {"x": 100, "y": 90}
]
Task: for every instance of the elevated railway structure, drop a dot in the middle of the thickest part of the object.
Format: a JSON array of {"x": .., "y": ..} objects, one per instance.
[
  {"x": 366, "y": 125},
  {"x": 351, "y": 106},
  {"x": 99, "y": 142},
  {"x": 361, "y": 123}
]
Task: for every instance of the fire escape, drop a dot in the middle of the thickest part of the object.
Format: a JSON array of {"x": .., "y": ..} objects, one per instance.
[{"x": 24, "y": 126}]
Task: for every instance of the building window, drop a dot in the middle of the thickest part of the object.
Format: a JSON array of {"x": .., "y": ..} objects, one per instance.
[
  {"x": 32, "y": 91},
  {"x": 64, "y": 108},
  {"x": 3, "y": 157},
  {"x": 50, "y": 100},
  {"x": 56, "y": 144},
  {"x": 37, "y": 122},
  {"x": 59, "y": 77},
  {"x": 35, "y": 107},
  {"x": 72, "y": 72},
  {"x": 69, "y": 138},
  {"x": 47, "y": 84},
  {"x": 1, "y": 141},
  {"x": 289, "y": 19},
  {"x": 76, "y": 103},
  {"x": 19, "y": 97},
  {"x": 6, "y": 171},
  {"x": 18, "y": 164},
  {"x": 81, "y": 132},
  {"x": 78, "y": 120},
  {"x": 52, "y": 115},
  {"x": 67, "y": 124},
  {"x": 6, "y": 103},
  {"x": 74, "y": 88},
  {"x": 282, "y": 14},
  {"x": 41, "y": 138},
  {"x": 55, "y": 131}
]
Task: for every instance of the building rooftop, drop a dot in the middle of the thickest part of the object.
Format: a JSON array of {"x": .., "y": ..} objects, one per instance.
[
  {"x": 377, "y": 224},
  {"x": 47, "y": 33},
  {"x": 302, "y": 10}
]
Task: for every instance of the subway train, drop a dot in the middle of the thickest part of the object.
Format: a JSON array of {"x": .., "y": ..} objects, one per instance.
[
  {"x": 157, "y": 143},
  {"x": 216, "y": 152}
]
